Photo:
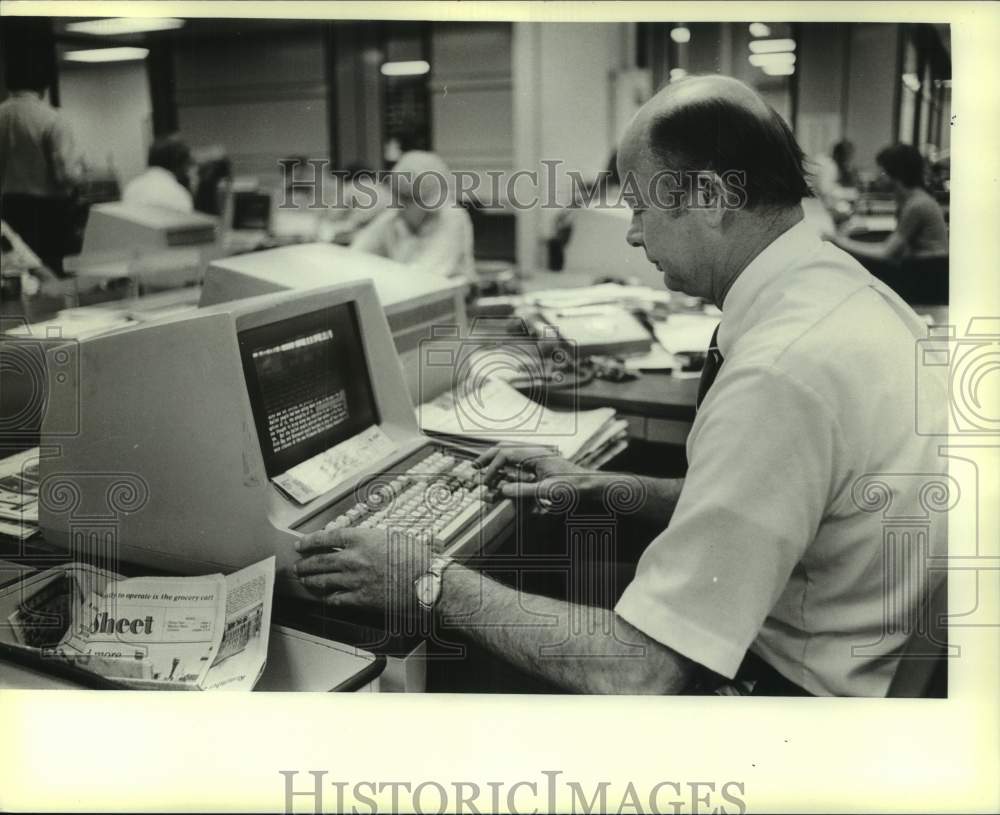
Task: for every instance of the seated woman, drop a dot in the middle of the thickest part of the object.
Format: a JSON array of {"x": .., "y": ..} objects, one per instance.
[
  {"x": 920, "y": 226},
  {"x": 423, "y": 227}
]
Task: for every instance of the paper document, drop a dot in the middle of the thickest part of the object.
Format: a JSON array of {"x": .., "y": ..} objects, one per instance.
[
  {"x": 685, "y": 333},
  {"x": 493, "y": 411},
  {"x": 324, "y": 471},
  {"x": 605, "y": 293},
  {"x": 150, "y": 633},
  {"x": 657, "y": 358}
]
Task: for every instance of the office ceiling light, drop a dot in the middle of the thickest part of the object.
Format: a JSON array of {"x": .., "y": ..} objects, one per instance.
[
  {"x": 759, "y": 30},
  {"x": 771, "y": 46},
  {"x": 111, "y": 26},
  {"x": 414, "y": 67},
  {"x": 106, "y": 55},
  {"x": 781, "y": 69},
  {"x": 762, "y": 60},
  {"x": 681, "y": 34}
]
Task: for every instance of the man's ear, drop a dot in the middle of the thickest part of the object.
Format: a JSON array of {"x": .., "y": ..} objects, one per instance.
[{"x": 708, "y": 196}]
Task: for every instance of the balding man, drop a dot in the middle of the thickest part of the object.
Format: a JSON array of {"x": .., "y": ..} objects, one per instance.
[
  {"x": 424, "y": 226},
  {"x": 771, "y": 570}
]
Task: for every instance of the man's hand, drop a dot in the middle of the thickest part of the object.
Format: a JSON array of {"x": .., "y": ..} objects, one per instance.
[
  {"x": 368, "y": 568},
  {"x": 537, "y": 473}
]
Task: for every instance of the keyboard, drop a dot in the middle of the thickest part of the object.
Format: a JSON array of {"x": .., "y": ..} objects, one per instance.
[{"x": 440, "y": 496}]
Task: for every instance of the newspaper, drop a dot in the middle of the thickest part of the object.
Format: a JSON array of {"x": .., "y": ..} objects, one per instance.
[{"x": 152, "y": 633}]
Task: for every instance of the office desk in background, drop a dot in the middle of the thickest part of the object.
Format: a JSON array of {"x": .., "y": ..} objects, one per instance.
[{"x": 658, "y": 407}]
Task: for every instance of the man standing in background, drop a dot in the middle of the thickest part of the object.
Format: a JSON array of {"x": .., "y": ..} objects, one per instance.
[{"x": 38, "y": 165}]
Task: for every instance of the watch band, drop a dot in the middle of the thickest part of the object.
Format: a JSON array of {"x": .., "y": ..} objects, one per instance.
[
  {"x": 435, "y": 572},
  {"x": 439, "y": 563}
]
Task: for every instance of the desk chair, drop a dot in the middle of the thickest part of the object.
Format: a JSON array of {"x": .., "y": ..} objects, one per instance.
[{"x": 923, "y": 666}]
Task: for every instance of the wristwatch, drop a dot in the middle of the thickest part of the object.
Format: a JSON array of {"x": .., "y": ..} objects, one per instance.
[{"x": 428, "y": 585}]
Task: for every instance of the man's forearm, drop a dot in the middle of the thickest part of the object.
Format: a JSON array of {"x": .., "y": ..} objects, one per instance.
[
  {"x": 585, "y": 649},
  {"x": 661, "y": 498}
]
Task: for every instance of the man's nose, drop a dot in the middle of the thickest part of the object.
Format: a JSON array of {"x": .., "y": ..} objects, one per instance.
[{"x": 634, "y": 235}]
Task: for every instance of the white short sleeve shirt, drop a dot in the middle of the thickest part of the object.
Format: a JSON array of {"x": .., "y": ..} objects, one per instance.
[
  {"x": 442, "y": 246},
  {"x": 157, "y": 187},
  {"x": 774, "y": 545}
]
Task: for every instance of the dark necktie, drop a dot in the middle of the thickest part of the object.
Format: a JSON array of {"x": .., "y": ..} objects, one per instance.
[{"x": 713, "y": 361}]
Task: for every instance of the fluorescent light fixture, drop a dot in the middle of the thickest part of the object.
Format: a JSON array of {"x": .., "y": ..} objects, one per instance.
[
  {"x": 414, "y": 67},
  {"x": 106, "y": 55},
  {"x": 680, "y": 34},
  {"x": 771, "y": 46},
  {"x": 759, "y": 30},
  {"x": 677, "y": 73},
  {"x": 783, "y": 58},
  {"x": 110, "y": 26},
  {"x": 785, "y": 69},
  {"x": 912, "y": 82}
]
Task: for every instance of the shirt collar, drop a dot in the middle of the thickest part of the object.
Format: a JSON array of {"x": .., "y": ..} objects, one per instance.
[
  {"x": 162, "y": 173},
  {"x": 777, "y": 257}
]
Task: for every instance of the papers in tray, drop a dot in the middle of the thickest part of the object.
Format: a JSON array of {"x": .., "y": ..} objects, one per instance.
[
  {"x": 19, "y": 494},
  {"x": 490, "y": 411},
  {"x": 599, "y": 329}
]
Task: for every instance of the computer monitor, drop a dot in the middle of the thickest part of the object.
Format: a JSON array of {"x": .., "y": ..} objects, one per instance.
[
  {"x": 122, "y": 229},
  {"x": 417, "y": 305},
  {"x": 159, "y": 247},
  {"x": 250, "y": 209},
  {"x": 195, "y": 438},
  {"x": 308, "y": 384}
]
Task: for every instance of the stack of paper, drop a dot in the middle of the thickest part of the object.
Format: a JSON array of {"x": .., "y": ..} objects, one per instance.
[
  {"x": 489, "y": 411},
  {"x": 605, "y": 293},
  {"x": 599, "y": 329},
  {"x": 19, "y": 494},
  {"x": 686, "y": 333}
]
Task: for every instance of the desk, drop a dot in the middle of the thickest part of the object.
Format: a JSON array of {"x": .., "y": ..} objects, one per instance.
[{"x": 658, "y": 407}]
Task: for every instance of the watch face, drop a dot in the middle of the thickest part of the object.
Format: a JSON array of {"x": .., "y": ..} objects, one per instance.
[{"x": 427, "y": 588}]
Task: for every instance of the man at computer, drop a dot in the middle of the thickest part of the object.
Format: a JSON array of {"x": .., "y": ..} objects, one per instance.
[
  {"x": 423, "y": 226},
  {"x": 771, "y": 574}
]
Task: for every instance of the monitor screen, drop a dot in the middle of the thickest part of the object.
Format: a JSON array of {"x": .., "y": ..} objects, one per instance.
[
  {"x": 308, "y": 383},
  {"x": 251, "y": 210}
]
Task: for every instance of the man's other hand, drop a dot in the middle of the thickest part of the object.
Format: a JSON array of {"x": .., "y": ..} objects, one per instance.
[
  {"x": 367, "y": 568},
  {"x": 533, "y": 472}
]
